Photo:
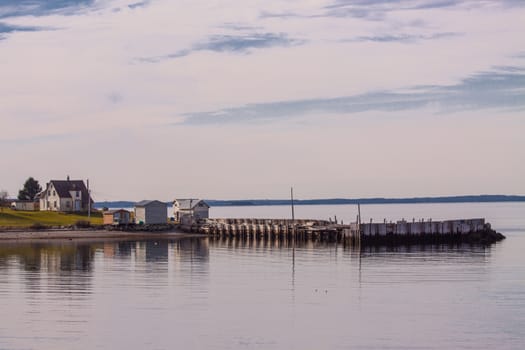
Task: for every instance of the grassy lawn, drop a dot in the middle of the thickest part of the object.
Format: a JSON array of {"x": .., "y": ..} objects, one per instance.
[{"x": 18, "y": 218}]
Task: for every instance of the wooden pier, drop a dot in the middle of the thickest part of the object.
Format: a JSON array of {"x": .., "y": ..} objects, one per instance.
[{"x": 400, "y": 232}]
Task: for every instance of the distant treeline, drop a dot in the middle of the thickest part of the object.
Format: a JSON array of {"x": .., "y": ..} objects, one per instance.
[{"x": 337, "y": 201}]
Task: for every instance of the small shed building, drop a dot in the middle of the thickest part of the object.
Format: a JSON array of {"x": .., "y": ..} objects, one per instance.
[
  {"x": 195, "y": 208},
  {"x": 116, "y": 217},
  {"x": 151, "y": 212},
  {"x": 25, "y": 205}
]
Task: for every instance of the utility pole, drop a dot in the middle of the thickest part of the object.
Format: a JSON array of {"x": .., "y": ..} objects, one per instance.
[
  {"x": 293, "y": 214},
  {"x": 191, "y": 211},
  {"x": 359, "y": 215}
]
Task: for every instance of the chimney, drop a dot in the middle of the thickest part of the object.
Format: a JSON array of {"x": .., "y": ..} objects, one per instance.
[{"x": 68, "y": 178}]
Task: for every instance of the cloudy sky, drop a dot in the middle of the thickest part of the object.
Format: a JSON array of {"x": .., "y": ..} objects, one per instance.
[{"x": 243, "y": 99}]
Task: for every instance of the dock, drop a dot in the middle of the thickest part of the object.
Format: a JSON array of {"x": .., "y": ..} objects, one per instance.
[{"x": 400, "y": 232}]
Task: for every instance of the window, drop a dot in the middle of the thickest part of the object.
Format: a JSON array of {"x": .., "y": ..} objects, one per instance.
[
  {"x": 54, "y": 193},
  {"x": 78, "y": 193},
  {"x": 55, "y": 204},
  {"x": 68, "y": 204}
]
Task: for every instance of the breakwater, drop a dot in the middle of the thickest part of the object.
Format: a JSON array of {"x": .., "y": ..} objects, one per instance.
[{"x": 400, "y": 232}]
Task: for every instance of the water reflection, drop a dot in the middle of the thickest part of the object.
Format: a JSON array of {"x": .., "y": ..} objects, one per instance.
[
  {"x": 230, "y": 293},
  {"x": 63, "y": 257},
  {"x": 49, "y": 257},
  {"x": 77, "y": 259},
  {"x": 68, "y": 267},
  {"x": 464, "y": 250}
]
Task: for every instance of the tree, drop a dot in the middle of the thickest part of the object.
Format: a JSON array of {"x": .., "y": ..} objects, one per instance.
[
  {"x": 30, "y": 190},
  {"x": 3, "y": 197}
]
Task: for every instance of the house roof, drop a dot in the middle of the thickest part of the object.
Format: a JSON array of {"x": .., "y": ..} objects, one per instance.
[
  {"x": 62, "y": 187},
  {"x": 147, "y": 202},
  {"x": 187, "y": 204},
  {"x": 107, "y": 212}
]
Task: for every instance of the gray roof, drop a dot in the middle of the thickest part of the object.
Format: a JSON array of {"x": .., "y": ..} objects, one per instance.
[
  {"x": 115, "y": 211},
  {"x": 63, "y": 187},
  {"x": 190, "y": 203},
  {"x": 145, "y": 203}
]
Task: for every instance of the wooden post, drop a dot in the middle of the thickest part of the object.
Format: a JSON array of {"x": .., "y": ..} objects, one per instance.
[
  {"x": 293, "y": 231},
  {"x": 359, "y": 217},
  {"x": 293, "y": 214}
]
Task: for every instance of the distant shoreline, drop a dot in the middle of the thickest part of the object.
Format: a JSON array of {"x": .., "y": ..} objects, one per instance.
[{"x": 339, "y": 201}]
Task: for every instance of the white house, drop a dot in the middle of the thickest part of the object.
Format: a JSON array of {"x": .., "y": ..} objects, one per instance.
[
  {"x": 194, "y": 208},
  {"x": 151, "y": 212},
  {"x": 65, "y": 195}
]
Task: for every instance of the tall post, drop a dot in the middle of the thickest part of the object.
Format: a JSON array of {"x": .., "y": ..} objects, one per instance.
[
  {"x": 89, "y": 201},
  {"x": 293, "y": 242},
  {"x": 293, "y": 214},
  {"x": 359, "y": 216},
  {"x": 191, "y": 212},
  {"x": 293, "y": 231}
]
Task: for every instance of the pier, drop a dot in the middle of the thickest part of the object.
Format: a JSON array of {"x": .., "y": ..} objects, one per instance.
[{"x": 400, "y": 232}]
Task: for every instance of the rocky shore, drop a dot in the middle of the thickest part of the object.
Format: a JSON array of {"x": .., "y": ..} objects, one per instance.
[{"x": 485, "y": 237}]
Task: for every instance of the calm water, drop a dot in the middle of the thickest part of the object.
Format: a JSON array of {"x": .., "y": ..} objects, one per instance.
[{"x": 196, "y": 293}]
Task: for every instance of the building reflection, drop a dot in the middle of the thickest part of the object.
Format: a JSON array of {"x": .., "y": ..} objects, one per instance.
[
  {"x": 72, "y": 263},
  {"x": 190, "y": 250},
  {"x": 156, "y": 251},
  {"x": 79, "y": 257},
  {"x": 67, "y": 265},
  {"x": 49, "y": 257}
]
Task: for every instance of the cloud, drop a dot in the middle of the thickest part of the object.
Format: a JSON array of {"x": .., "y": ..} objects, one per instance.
[
  {"x": 404, "y": 38},
  {"x": 139, "y": 4},
  {"x": 502, "y": 88},
  {"x": 8, "y": 28},
  {"x": 115, "y": 97},
  {"x": 232, "y": 43},
  {"x": 15, "y": 8},
  {"x": 377, "y": 9},
  {"x": 243, "y": 43},
  {"x": 241, "y": 27},
  {"x": 283, "y": 15}
]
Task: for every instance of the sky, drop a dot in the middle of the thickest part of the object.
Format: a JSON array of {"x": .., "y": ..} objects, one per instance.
[{"x": 166, "y": 99}]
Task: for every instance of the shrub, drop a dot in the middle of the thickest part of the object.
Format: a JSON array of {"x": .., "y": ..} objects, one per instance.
[
  {"x": 82, "y": 224},
  {"x": 37, "y": 226}
]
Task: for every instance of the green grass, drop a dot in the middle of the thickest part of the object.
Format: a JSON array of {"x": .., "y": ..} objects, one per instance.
[{"x": 18, "y": 218}]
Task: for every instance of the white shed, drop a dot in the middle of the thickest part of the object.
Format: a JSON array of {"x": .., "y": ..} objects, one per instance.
[
  {"x": 151, "y": 212},
  {"x": 195, "y": 208},
  {"x": 25, "y": 205}
]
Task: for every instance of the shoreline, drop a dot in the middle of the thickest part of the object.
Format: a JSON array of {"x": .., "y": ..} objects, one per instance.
[{"x": 79, "y": 234}]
